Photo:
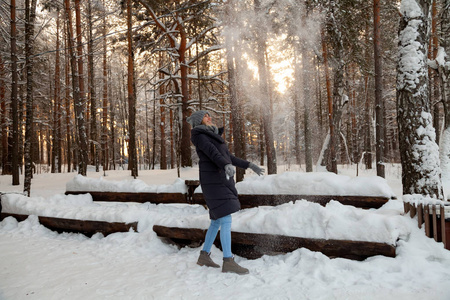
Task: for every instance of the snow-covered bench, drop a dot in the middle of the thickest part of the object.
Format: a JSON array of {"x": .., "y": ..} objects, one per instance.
[
  {"x": 133, "y": 190},
  {"x": 270, "y": 190},
  {"x": 255, "y": 245},
  {"x": 86, "y": 227}
]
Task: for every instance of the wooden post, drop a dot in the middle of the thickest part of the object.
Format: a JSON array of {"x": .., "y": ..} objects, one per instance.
[
  {"x": 412, "y": 211},
  {"x": 406, "y": 207},
  {"x": 435, "y": 235},
  {"x": 426, "y": 213},
  {"x": 443, "y": 233},
  {"x": 420, "y": 215}
]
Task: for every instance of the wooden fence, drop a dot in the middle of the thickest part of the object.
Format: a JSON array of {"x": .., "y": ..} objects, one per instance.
[{"x": 433, "y": 217}]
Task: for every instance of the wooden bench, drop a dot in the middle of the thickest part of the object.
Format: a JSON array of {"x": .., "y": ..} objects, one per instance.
[
  {"x": 86, "y": 227},
  {"x": 255, "y": 245},
  {"x": 434, "y": 218},
  {"x": 248, "y": 201},
  {"x": 157, "y": 198}
]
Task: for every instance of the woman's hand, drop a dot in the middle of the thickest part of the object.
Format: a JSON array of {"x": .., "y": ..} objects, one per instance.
[
  {"x": 256, "y": 169},
  {"x": 229, "y": 171}
]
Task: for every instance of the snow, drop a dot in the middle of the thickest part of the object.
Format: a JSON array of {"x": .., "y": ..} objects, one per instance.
[
  {"x": 81, "y": 183},
  {"x": 412, "y": 54},
  {"x": 411, "y": 9},
  {"x": 320, "y": 183},
  {"x": 36, "y": 263}
]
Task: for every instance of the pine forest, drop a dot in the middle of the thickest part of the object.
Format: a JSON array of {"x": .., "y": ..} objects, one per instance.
[{"x": 109, "y": 84}]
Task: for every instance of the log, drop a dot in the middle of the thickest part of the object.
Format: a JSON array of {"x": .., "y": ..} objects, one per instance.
[
  {"x": 255, "y": 245},
  {"x": 156, "y": 198},
  {"x": 85, "y": 227},
  {"x": 248, "y": 201}
]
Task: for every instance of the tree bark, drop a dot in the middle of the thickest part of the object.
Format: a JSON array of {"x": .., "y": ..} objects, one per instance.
[
  {"x": 30, "y": 14},
  {"x": 105, "y": 152},
  {"x": 78, "y": 103},
  {"x": 162, "y": 123},
  {"x": 332, "y": 165},
  {"x": 6, "y": 166},
  {"x": 14, "y": 98},
  {"x": 421, "y": 173},
  {"x": 379, "y": 103},
  {"x": 297, "y": 111},
  {"x": 92, "y": 93},
  {"x": 444, "y": 78},
  {"x": 132, "y": 157},
  {"x": 267, "y": 113},
  {"x": 306, "y": 67},
  {"x": 237, "y": 122},
  {"x": 67, "y": 100},
  {"x": 56, "y": 145}
]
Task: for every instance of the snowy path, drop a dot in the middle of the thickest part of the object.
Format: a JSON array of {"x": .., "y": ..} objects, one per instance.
[{"x": 39, "y": 264}]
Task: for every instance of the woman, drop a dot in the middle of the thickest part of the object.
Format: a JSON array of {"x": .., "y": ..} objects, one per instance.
[{"x": 217, "y": 182}]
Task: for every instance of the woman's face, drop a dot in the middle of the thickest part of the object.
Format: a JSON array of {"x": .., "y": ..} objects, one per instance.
[{"x": 207, "y": 120}]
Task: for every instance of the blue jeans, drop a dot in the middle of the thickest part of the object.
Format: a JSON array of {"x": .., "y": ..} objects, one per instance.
[{"x": 224, "y": 224}]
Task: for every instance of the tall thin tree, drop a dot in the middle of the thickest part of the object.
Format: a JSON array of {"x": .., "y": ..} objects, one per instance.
[
  {"x": 78, "y": 103},
  {"x": 30, "y": 14},
  {"x": 132, "y": 155},
  {"x": 56, "y": 136},
  {"x": 379, "y": 103},
  {"x": 267, "y": 112},
  {"x": 14, "y": 98}
]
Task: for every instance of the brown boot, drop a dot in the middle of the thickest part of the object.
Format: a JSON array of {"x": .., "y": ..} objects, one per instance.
[
  {"x": 230, "y": 266},
  {"x": 205, "y": 260}
]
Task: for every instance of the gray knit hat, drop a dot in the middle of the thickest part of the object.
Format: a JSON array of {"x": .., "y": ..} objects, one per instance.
[{"x": 196, "y": 118}]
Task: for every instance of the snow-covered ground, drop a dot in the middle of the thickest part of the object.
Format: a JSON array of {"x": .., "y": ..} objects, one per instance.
[{"x": 36, "y": 263}]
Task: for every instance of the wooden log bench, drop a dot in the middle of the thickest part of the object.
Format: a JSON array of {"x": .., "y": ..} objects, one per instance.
[
  {"x": 156, "y": 198},
  {"x": 248, "y": 201},
  {"x": 434, "y": 218},
  {"x": 255, "y": 245},
  {"x": 86, "y": 227}
]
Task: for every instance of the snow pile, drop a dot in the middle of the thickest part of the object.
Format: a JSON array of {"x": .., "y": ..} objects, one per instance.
[
  {"x": 322, "y": 183},
  {"x": 84, "y": 184},
  {"x": 301, "y": 219}
]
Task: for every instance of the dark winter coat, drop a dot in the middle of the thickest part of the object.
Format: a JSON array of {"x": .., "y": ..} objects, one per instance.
[{"x": 219, "y": 192}]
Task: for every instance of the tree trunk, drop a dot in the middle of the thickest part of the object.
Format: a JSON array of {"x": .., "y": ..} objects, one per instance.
[
  {"x": 296, "y": 99},
  {"x": 267, "y": 113},
  {"x": 6, "y": 167},
  {"x": 132, "y": 157},
  {"x": 14, "y": 98},
  {"x": 105, "y": 156},
  {"x": 78, "y": 103},
  {"x": 367, "y": 126},
  {"x": 379, "y": 103},
  {"x": 92, "y": 94},
  {"x": 306, "y": 67},
  {"x": 421, "y": 173},
  {"x": 237, "y": 122},
  {"x": 30, "y": 14},
  {"x": 185, "y": 142},
  {"x": 444, "y": 76},
  {"x": 67, "y": 103},
  {"x": 56, "y": 145},
  {"x": 330, "y": 163},
  {"x": 162, "y": 123}
]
